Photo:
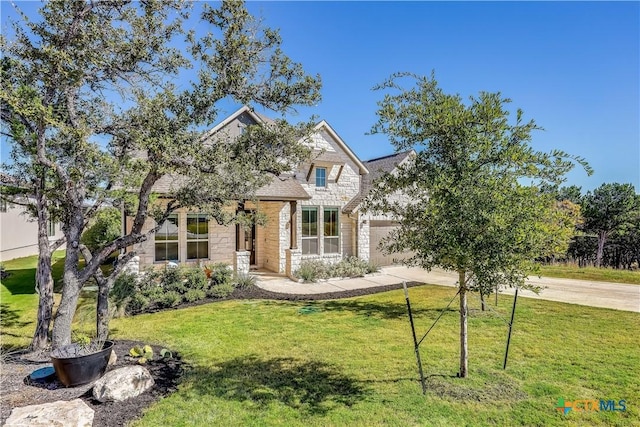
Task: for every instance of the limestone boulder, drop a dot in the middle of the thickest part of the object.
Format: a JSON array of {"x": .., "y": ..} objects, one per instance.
[
  {"x": 73, "y": 413},
  {"x": 122, "y": 383}
]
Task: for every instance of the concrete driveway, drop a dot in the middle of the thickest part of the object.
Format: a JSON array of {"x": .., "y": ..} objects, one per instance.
[{"x": 583, "y": 292}]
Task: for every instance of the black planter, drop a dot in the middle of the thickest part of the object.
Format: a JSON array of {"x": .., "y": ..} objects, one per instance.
[{"x": 77, "y": 370}]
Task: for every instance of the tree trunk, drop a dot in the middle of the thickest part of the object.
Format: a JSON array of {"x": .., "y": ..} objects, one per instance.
[
  {"x": 44, "y": 288},
  {"x": 482, "y": 301},
  {"x": 463, "y": 325},
  {"x": 602, "y": 238},
  {"x": 102, "y": 309},
  {"x": 44, "y": 280},
  {"x": 61, "y": 334}
]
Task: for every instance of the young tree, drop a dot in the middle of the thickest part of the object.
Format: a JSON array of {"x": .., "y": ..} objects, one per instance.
[
  {"x": 606, "y": 209},
  {"x": 467, "y": 208},
  {"x": 82, "y": 55}
]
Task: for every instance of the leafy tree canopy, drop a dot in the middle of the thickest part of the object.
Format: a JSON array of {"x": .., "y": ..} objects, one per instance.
[
  {"x": 94, "y": 93},
  {"x": 468, "y": 204}
]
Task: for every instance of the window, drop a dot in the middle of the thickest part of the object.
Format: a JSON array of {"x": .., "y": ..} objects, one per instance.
[
  {"x": 309, "y": 231},
  {"x": 3, "y": 205},
  {"x": 167, "y": 240},
  {"x": 331, "y": 231},
  {"x": 197, "y": 236},
  {"x": 51, "y": 230},
  {"x": 321, "y": 177}
]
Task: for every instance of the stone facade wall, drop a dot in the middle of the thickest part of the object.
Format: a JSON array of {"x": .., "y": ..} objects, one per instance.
[
  {"x": 222, "y": 242},
  {"x": 336, "y": 194},
  {"x": 363, "y": 239},
  {"x": 293, "y": 258}
]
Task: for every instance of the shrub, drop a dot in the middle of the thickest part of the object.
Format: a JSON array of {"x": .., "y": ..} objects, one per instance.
[
  {"x": 222, "y": 290},
  {"x": 372, "y": 267},
  {"x": 219, "y": 274},
  {"x": 194, "y": 295},
  {"x": 311, "y": 270},
  {"x": 137, "y": 304},
  {"x": 169, "y": 299},
  {"x": 105, "y": 227},
  {"x": 244, "y": 280},
  {"x": 195, "y": 279},
  {"x": 124, "y": 288},
  {"x": 172, "y": 280}
]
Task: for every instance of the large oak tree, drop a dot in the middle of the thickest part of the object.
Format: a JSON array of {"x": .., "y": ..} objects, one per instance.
[{"x": 95, "y": 93}]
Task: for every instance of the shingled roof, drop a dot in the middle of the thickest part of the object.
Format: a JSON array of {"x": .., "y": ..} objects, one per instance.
[
  {"x": 377, "y": 167},
  {"x": 281, "y": 188}
]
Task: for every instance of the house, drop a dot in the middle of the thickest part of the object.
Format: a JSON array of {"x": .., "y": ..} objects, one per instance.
[
  {"x": 380, "y": 225},
  {"x": 313, "y": 213},
  {"x": 19, "y": 231}
]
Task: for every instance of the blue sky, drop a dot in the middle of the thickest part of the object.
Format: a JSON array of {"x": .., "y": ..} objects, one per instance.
[{"x": 571, "y": 66}]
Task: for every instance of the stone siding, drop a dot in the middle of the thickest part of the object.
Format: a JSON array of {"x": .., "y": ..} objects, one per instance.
[{"x": 336, "y": 194}]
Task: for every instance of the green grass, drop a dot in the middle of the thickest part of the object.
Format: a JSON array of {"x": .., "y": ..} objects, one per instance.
[
  {"x": 19, "y": 301},
  {"x": 591, "y": 273},
  {"x": 351, "y": 362}
]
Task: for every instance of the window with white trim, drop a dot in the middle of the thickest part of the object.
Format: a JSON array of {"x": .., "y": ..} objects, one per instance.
[
  {"x": 309, "y": 231},
  {"x": 197, "y": 236},
  {"x": 166, "y": 240},
  {"x": 331, "y": 231},
  {"x": 321, "y": 177}
]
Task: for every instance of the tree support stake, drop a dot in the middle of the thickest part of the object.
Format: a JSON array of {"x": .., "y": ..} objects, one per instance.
[
  {"x": 416, "y": 346},
  {"x": 513, "y": 312}
]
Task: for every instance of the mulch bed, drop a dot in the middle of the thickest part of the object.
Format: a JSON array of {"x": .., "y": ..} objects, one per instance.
[{"x": 17, "y": 391}]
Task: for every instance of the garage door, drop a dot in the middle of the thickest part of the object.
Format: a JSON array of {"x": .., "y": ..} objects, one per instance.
[{"x": 379, "y": 230}]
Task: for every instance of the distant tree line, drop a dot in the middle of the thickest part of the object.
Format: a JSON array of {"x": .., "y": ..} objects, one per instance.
[{"x": 608, "y": 233}]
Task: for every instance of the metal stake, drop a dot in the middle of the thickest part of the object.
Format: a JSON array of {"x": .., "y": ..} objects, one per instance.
[
  {"x": 415, "y": 340},
  {"x": 513, "y": 312}
]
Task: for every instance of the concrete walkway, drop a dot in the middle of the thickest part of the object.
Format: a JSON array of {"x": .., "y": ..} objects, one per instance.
[{"x": 584, "y": 292}]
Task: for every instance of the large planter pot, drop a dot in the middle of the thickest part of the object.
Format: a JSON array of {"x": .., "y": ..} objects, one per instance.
[{"x": 74, "y": 368}]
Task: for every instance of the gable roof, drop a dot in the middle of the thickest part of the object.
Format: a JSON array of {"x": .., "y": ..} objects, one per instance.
[
  {"x": 258, "y": 118},
  {"x": 324, "y": 125},
  {"x": 377, "y": 167}
]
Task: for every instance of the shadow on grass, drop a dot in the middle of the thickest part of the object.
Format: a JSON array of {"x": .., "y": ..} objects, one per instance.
[
  {"x": 385, "y": 310},
  {"x": 23, "y": 281},
  {"x": 10, "y": 318},
  {"x": 313, "y": 387}
]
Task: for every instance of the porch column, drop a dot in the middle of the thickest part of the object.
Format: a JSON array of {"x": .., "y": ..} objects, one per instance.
[
  {"x": 241, "y": 262},
  {"x": 293, "y": 227},
  {"x": 363, "y": 238},
  {"x": 294, "y": 258}
]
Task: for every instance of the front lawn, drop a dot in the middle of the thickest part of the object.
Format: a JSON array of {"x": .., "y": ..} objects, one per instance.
[{"x": 351, "y": 362}]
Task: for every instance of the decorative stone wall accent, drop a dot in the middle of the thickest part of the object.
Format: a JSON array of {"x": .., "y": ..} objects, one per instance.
[
  {"x": 122, "y": 384},
  {"x": 294, "y": 258},
  {"x": 363, "y": 239},
  {"x": 241, "y": 262},
  {"x": 74, "y": 413}
]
